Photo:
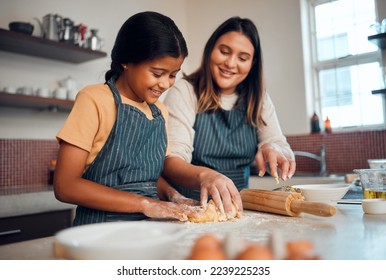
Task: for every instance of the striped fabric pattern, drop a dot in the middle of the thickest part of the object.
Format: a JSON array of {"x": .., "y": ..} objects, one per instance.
[
  {"x": 225, "y": 142},
  {"x": 131, "y": 159}
]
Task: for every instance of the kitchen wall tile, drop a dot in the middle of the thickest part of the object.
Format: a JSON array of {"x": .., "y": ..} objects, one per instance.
[
  {"x": 344, "y": 151},
  {"x": 24, "y": 164}
]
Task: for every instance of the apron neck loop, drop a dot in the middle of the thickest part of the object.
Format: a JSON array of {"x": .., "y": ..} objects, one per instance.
[{"x": 111, "y": 84}]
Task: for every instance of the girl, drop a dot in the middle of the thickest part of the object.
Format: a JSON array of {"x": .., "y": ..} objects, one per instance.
[
  {"x": 222, "y": 120},
  {"x": 113, "y": 144}
]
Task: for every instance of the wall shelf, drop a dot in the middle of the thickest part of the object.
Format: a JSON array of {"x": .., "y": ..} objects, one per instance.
[
  {"x": 20, "y": 43},
  {"x": 379, "y": 40},
  {"x": 379, "y": 91},
  {"x": 34, "y": 102}
]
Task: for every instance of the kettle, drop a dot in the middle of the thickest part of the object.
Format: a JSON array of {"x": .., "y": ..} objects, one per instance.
[{"x": 51, "y": 26}]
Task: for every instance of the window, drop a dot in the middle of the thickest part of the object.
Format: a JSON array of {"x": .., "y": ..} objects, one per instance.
[{"x": 347, "y": 67}]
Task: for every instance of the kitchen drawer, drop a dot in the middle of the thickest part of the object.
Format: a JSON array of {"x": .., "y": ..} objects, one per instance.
[{"x": 26, "y": 227}]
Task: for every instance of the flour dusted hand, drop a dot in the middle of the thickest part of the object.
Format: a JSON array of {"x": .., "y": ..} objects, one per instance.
[
  {"x": 212, "y": 214},
  {"x": 167, "y": 210}
]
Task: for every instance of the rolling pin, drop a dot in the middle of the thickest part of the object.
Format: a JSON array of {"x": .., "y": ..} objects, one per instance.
[{"x": 283, "y": 203}]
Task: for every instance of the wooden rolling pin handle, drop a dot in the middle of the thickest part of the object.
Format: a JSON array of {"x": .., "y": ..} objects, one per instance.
[{"x": 314, "y": 208}]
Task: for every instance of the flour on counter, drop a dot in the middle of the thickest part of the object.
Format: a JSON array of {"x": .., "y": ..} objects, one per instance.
[{"x": 253, "y": 227}]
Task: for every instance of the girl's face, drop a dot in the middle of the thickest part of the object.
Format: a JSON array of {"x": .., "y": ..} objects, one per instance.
[
  {"x": 146, "y": 81},
  {"x": 231, "y": 60}
]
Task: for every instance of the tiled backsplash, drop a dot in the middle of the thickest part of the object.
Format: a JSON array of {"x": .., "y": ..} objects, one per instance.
[
  {"x": 344, "y": 151},
  {"x": 25, "y": 163}
]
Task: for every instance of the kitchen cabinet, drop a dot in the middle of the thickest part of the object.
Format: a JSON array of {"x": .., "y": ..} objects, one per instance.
[
  {"x": 380, "y": 41},
  {"x": 20, "y": 43},
  {"x": 34, "y": 102},
  {"x": 27, "y": 227}
]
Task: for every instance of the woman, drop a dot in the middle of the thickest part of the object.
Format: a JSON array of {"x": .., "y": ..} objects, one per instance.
[
  {"x": 114, "y": 142},
  {"x": 222, "y": 119}
]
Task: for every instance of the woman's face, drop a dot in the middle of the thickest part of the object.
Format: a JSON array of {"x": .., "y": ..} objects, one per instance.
[
  {"x": 231, "y": 60},
  {"x": 146, "y": 81}
]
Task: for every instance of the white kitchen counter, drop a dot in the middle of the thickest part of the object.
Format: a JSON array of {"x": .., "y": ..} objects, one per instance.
[
  {"x": 30, "y": 203},
  {"x": 349, "y": 235}
]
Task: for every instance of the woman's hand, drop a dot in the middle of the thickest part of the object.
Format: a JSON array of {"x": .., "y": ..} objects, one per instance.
[
  {"x": 209, "y": 181},
  {"x": 223, "y": 191},
  {"x": 277, "y": 158}
]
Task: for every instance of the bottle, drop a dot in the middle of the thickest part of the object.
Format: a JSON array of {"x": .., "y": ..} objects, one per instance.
[
  {"x": 315, "y": 127},
  {"x": 51, "y": 172},
  {"x": 327, "y": 125},
  {"x": 94, "y": 42}
]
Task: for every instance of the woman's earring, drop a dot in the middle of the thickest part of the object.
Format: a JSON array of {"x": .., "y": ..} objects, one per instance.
[{"x": 124, "y": 66}]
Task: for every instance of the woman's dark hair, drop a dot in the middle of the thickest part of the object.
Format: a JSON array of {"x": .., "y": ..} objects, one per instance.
[
  {"x": 143, "y": 37},
  {"x": 250, "y": 90}
]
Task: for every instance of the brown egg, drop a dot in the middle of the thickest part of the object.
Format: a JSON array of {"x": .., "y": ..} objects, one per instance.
[
  {"x": 207, "y": 247},
  {"x": 208, "y": 254},
  {"x": 206, "y": 241},
  {"x": 300, "y": 250},
  {"x": 256, "y": 252}
]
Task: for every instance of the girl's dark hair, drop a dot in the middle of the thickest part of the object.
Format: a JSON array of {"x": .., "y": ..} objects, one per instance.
[
  {"x": 250, "y": 90},
  {"x": 146, "y": 36}
]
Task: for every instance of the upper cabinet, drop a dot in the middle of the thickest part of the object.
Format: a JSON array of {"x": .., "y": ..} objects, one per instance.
[
  {"x": 380, "y": 41},
  {"x": 15, "y": 42}
]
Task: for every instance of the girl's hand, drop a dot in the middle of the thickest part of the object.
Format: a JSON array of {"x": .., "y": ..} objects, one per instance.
[
  {"x": 167, "y": 210},
  {"x": 182, "y": 200},
  {"x": 168, "y": 193},
  {"x": 277, "y": 158}
]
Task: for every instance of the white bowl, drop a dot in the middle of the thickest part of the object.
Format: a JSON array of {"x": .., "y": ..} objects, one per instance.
[
  {"x": 137, "y": 240},
  {"x": 374, "y": 206},
  {"x": 328, "y": 193},
  {"x": 377, "y": 163}
]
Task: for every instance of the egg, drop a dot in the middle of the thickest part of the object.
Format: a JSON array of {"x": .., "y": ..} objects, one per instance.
[
  {"x": 256, "y": 251},
  {"x": 300, "y": 250},
  {"x": 207, "y": 247}
]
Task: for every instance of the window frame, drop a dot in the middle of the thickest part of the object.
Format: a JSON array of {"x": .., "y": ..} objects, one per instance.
[{"x": 351, "y": 60}]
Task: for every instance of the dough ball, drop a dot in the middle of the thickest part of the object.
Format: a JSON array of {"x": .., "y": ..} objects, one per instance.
[{"x": 211, "y": 214}]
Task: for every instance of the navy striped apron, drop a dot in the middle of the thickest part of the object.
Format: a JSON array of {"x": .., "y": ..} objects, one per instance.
[
  {"x": 131, "y": 159},
  {"x": 225, "y": 142}
]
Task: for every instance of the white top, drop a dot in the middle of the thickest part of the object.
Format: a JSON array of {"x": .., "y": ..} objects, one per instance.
[{"x": 181, "y": 103}]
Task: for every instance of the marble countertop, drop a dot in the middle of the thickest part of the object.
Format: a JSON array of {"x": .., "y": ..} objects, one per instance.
[
  {"x": 16, "y": 204},
  {"x": 348, "y": 235}
]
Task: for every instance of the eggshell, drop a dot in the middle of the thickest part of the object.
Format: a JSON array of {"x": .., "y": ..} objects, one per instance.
[
  {"x": 256, "y": 252},
  {"x": 208, "y": 254},
  {"x": 300, "y": 250},
  {"x": 207, "y": 247}
]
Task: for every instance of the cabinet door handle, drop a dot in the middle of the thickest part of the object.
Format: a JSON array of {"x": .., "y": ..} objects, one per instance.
[{"x": 10, "y": 232}]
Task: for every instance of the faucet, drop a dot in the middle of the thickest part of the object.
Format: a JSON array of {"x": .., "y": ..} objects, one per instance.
[{"x": 321, "y": 159}]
